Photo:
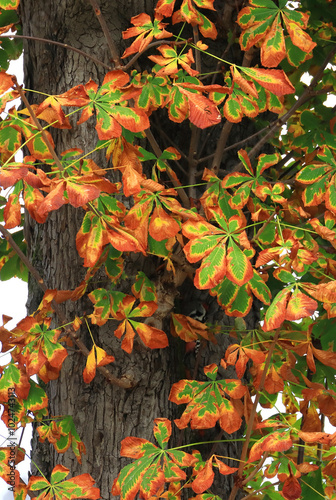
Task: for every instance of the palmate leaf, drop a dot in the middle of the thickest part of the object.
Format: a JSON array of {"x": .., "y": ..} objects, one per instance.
[
  {"x": 218, "y": 261},
  {"x": 170, "y": 59},
  {"x": 62, "y": 434},
  {"x": 261, "y": 23},
  {"x": 144, "y": 30},
  {"x": 206, "y": 402},
  {"x": 110, "y": 102},
  {"x": 189, "y": 13},
  {"x": 59, "y": 488},
  {"x": 154, "y": 91},
  {"x": 123, "y": 311},
  {"x": 154, "y": 466}
]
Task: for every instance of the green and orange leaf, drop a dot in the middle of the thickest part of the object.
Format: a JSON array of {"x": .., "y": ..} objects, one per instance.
[
  {"x": 60, "y": 488},
  {"x": 144, "y": 30},
  {"x": 97, "y": 357}
]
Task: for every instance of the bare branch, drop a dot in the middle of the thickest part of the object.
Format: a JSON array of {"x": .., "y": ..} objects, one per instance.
[
  {"x": 59, "y": 44},
  {"x": 110, "y": 42}
]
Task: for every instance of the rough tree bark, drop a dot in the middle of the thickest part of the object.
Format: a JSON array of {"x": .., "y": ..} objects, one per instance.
[{"x": 103, "y": 414}]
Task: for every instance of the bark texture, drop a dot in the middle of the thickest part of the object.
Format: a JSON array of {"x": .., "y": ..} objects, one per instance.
[{"x": 103, "y": 414}]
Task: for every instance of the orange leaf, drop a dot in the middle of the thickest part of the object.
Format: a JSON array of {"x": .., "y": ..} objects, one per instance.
[
  {"x": 97, "y": 357},
  {"x": 6, "y": 82},
  {"x": 326, "y": 357},
  {"x": 54, "y": 200},
  {"x": 202, "y": 112},
  {"x": 80, "y": 194},
  {"x": 152, "y": 337},
  {"x": 204, "y": 478},
  {"x": 223, "y": 468},
  {"x": 12, "y": 212},
  {"x": 300, "y": 306},
  {"x": 162, "y": 225},
  {"x": 274, "y": 80}
]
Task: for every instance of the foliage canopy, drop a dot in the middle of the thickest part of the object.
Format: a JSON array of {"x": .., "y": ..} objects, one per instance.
[{"x": 263, "y": 230}]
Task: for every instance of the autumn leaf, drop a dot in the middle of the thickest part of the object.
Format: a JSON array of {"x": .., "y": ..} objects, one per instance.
[
  {"x": 202, "y": 112},
  {"x": 170, "y": 59},
  {"x": 154, "y": 466},
  {"x": 263, "y": 23},
  {"x": 144, "y": 30},
  {"x": 276, "y": 441},
  {"x": 97, "y": 357},
  {"x": 291, "y": 488},
  {"x": 61, "y": 488},
  {"x": 206, "y": 402}
]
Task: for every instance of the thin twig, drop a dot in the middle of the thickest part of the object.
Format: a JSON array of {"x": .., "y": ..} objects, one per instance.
[
  {"x": 157, "y": 150},
  {"x": 255, "y": 469},
  {"x": 64, "y": 45},
  {"x": 110, "y": 42},
  {"x": 198, "y": 53},
  {"x": 239, "y": 143},
  {"x": 224, "y": 136},
  {"x": 51, "y": 150},
  {"x": 124, "y": 383}
]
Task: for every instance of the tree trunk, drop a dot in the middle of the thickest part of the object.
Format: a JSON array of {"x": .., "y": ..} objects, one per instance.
[{"x": 103, "y": 414}]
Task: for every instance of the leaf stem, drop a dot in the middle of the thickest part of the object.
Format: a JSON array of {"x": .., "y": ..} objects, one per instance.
[{"x": 50, "y": 147}]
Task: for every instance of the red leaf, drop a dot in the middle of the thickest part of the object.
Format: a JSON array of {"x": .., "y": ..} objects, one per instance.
[
  {"x": 202, "y": 112},
  {"x": 291, "y": 489}
]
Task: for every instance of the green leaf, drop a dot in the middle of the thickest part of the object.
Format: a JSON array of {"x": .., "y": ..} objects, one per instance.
[{"x": 239, "y": 268}]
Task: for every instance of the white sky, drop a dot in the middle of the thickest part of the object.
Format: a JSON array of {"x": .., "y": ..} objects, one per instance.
[{"x": 13, "y": 298}]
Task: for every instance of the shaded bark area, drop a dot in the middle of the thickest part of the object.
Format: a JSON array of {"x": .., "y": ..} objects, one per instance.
[{"x": 103, "y": 414}]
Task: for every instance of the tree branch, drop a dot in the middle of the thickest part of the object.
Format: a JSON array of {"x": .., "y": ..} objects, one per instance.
[
  {"x": 110, "y": 42},
  {"x": 157, "y": 150},
  {"x": 228, "y": 125},
  {"x": 59, "y": 44}
]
